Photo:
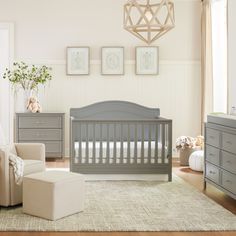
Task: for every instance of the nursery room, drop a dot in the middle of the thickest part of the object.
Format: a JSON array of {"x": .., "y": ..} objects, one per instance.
[{"x": 117, "y": 117}]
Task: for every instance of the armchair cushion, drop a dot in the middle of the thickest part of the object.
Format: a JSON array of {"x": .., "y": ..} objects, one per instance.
[{"x": 33, "y": 166}]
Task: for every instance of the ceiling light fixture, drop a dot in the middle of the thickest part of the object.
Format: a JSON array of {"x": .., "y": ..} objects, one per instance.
[{"x": 149, "y": 19}]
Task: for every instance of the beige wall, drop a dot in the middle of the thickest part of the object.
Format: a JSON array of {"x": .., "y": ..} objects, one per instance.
[{"x": 45, "y": 28}]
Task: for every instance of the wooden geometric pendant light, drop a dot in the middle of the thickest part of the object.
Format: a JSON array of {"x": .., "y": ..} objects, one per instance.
[{"x": 149, "y": 19}]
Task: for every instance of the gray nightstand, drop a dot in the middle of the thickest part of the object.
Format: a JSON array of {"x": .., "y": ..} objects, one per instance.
[{"x": 47, "y": 128}]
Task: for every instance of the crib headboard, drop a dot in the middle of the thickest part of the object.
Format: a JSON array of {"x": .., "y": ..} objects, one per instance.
[
  {"x": 114, "y": 119},
  {"x": 118, "y": 110}
]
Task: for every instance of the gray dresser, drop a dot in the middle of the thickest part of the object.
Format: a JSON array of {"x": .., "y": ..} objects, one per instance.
[
  {"x": 47, "y": 128},
  {"x": 220, "y": 153}
]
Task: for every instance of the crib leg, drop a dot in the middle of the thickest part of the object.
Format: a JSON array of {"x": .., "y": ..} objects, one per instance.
[{"x": 170, "y": 177}]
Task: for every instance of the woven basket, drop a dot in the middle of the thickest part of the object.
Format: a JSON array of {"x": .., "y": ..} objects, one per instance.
[{"x": 184, "y": 155}]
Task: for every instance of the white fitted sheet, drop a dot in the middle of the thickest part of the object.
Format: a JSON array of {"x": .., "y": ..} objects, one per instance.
[{"x": 111, "y": 152}]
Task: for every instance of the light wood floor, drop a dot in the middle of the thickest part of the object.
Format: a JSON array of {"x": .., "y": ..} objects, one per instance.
[{"x": 192, "y": 177}]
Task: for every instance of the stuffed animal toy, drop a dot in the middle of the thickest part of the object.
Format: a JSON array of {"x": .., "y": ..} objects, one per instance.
[
  {"x": 200, "y": 141},
  {"x": 33, "y": 105}
]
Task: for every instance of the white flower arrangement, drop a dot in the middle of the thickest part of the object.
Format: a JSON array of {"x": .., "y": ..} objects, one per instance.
[{"x": 184, "y": 142}]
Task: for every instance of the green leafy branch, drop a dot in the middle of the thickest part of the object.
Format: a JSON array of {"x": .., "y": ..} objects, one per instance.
[{"x": 28, "y": 77}]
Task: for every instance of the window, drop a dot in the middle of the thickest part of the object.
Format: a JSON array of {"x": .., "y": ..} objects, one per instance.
[{"x": 219, "y": 51}]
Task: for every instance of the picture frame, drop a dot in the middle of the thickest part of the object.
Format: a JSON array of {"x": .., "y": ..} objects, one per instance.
[
  {"x": 78, "y": 60},
  {"x": 112, "y": 60},
  {"x": 147, "y": 60}
]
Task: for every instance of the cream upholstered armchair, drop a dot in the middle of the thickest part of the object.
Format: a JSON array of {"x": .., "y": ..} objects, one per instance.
[{"x": 33, "y": 155}]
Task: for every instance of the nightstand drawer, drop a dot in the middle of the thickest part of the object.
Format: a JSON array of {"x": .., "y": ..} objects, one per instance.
[
  {"x": 40, "y": 122},
  {"x": 213, "y": 137},
  {"x": 40, "y": 135},
  {"x": 213, "y": 173},
  {"x": 229, "y": 181},
  {"x": 213, "y": 155},
  {"x": 229, "y": 162},
  {"x": 229, "y": 142}
]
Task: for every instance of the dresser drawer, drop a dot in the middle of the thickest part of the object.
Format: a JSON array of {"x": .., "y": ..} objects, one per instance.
[
  {"x": 229, "y": 162},
  {"x": 229, "y": 181},
  {"x": 40, "y": 122},
  {"x": 50, "y": 146},
  {"x": 229, "y": 142},
  {"x": 213, "y": 155},
  {"x": 213, "y": 173},
  {"x": 40, "y": 135},
  {"x": 213, "y": 137}
]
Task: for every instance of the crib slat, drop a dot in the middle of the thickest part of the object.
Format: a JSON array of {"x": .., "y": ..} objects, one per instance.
[
  {"x": 108, "y": 145},
  {"x": 156, "y": 144},
  {"x": 94, "y": 143},
  {"x": 80, "y": 143},
  {"x": 163, "y": 134},
  {"x": 135, "y": 143},
  {"x": 101, "y": 146},
  {"x": 128, "y": 145},
  {"x": 121, "y": 144},
  {"x": 87, "y": 145},
  {"x": 142, "y": 146},
  {"x": 114, "y": 146},
  {"x": 149, "y": 143}
]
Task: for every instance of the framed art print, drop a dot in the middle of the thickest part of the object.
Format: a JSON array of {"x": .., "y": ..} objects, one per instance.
[
  {"x": 112, "y": 61},
  {"x": 78, "y": 60},
  {"x": 147, "y": 60}
]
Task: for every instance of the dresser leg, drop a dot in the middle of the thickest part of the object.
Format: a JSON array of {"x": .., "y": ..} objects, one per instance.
[{"x": 204, "y": 185}]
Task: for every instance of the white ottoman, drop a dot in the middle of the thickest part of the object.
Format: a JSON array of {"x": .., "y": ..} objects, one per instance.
[
  {"x": 53, "y": 194},
  {"x": 196, "y": 161}
]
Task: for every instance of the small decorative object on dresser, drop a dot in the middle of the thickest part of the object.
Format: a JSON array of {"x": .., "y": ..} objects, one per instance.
[
  {"x": 33, "y": 105},
  {"x": 47, "y": 128},
  {"x": 220, "y": 152}
]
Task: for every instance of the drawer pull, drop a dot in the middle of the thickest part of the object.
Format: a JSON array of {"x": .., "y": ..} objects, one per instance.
[
  {"x": 41, "y": 135},
  {"x": 228, "y": 181},
  {"x": 211, "y": 137},
  {"x": 228, "y": 142},
  {"x": 40, "y": 122},
  {"x": 212, "y": 172},
  {"x": 229, "y": 162},
  {"x": 211, "y": 155}
]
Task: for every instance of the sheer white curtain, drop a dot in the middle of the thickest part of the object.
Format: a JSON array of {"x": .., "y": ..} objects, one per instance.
[
  {"x": 214, "y": 57},
  {"x": 206, "y": 61},
  {"x": 219, "y": 53}
]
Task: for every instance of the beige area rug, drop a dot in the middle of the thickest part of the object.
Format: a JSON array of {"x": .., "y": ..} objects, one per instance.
[{"x": 132, "y": 206}]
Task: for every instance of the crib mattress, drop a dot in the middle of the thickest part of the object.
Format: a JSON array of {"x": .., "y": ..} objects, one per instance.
[{"x": 104, "y": 154}]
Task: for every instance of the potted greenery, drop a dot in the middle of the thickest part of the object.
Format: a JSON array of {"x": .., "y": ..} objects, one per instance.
[{"x": 28, "y": 78}]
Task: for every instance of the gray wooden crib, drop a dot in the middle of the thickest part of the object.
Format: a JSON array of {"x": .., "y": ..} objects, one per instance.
[{"x": 118, "y": 137}]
